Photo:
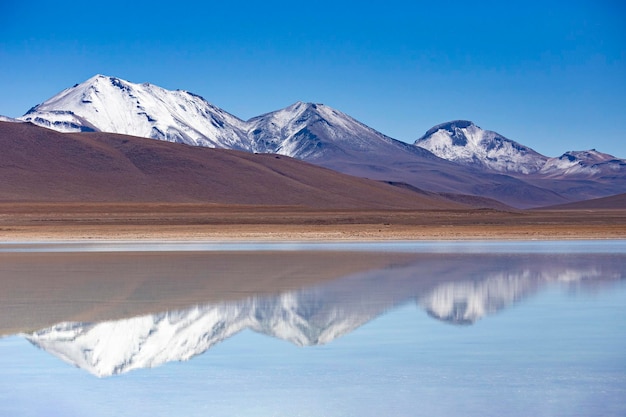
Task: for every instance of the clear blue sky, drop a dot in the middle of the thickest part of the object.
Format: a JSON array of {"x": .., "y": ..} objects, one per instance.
[{"x": 551, "y": 75}]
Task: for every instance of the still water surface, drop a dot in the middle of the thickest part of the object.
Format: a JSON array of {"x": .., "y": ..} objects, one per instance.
[{"x": 516, "y": 329}]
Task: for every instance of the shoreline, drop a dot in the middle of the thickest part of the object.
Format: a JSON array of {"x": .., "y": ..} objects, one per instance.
[
  {"x": 247, "y": 234},
  {"x": 27, "y": 222}
]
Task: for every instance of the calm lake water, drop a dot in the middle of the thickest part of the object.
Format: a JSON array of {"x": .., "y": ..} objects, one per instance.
[{"x": 343, "y": 329}]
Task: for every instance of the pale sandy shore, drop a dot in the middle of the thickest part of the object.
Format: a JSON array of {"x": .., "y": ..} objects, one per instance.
[
  {"x": 357, "y": 232},
  {"x": 41, "y": 222}
]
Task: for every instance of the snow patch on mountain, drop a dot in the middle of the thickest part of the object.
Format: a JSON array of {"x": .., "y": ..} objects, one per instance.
[
  {"x": 60, "y": 120},
  {"x": 8, "y": 119},
  {"x": 583, "y": 163},
  {"x": 463, "y": 142}
]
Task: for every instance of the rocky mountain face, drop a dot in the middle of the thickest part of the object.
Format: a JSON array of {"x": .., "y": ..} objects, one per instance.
[
  {"x": 463, "y": 142},
  {"x": 109, "y": 104},
  {"x": 454, "y": 157},
  {"x": 575, "y": 175},
  {"x": 315, "y": 132},
  {"x": 589, "y": 163}
]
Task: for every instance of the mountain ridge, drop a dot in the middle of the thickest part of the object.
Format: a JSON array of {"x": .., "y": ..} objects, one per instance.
[
  {"x": 454, "y": 157},
  {"x": 110, "y": 104},
  {"x": 464, "y": 142}
]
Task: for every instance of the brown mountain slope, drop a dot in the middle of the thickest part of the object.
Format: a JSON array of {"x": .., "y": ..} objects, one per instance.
[
  {"x": 42, "y": 165},
  {"x": 614, "y": 202}
]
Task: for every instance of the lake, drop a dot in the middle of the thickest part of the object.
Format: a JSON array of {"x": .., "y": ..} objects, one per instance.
[{"x": 313, "y": 329}]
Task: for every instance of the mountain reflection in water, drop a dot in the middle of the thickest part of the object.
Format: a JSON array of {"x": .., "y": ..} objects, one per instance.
[{"x": 456, "y": 288}]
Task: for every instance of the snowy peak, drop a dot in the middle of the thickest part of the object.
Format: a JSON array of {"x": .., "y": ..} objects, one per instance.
[
  {"x": 454, "y": 129},
  {"x": 463, "y": 142},
  {"x": 110, "y": 104},
  {"x": 274, "y": 132},
  {"x": 324, "y": 136},
  {"x": 8, "y": 119},
  {"x": 588, "y": 157},
  {"x": 313, "y": 131},
  {"x": 583, "y": 163}
]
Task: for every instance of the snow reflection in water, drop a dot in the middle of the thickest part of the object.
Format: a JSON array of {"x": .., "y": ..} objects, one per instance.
[
  {"x": 415, "y": 334},
  {"x": 459, "y": 289}
]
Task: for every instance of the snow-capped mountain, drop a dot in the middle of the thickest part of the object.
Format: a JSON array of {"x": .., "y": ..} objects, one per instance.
[
  {"x": 109, "y": 104},
  {"x": 8, "y": 119},
  {"x": 456, "y": 157},
  {"x": 463, "y": 142},
  {"x": 311, "y": 132},
  {"x": 583, "y": 163}
]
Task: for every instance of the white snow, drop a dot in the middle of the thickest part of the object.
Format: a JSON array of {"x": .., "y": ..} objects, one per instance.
[
  {"x": 309, "y": 131},
  {"x": 8, "y": 119},
  {"x": 114, "y": 347},
  {"x": 589, "y": 162},
  {"x": 109, "y": 104},
  {"x": 466, "y": 143},
  {"x": 306, "y": 131},
  {"x": 307, "y": 317},
  {"x": 467, "y": 301}
]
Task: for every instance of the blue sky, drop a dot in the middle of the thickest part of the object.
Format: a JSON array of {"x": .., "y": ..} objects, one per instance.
[{"x": 551, "y": 75}]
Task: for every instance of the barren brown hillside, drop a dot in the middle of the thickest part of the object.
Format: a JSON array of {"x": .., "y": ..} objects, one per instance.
[
  {"x": 41, "y": 165},
  {"x": 614, "y": 202}
]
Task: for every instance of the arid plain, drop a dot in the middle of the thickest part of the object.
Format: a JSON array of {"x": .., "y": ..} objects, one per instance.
[{"x": 152, "y": 221}]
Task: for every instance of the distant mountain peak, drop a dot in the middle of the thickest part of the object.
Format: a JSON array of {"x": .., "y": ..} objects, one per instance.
[
  {"x": 451, "y": 126},
  {"x": 463, "y": 142},
  {"x": 315, "y": 131},
  {"x": 8, "y": 119},
  {"x": 304, "y": 130},
  {"x": 110, "y": 104},
  {"x": 583, "y": 163}
]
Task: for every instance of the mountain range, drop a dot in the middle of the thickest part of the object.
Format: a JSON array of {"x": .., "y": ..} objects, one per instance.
[
  {"x": 464, "y": 142},
  {"x": 455, "y": 157}
]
